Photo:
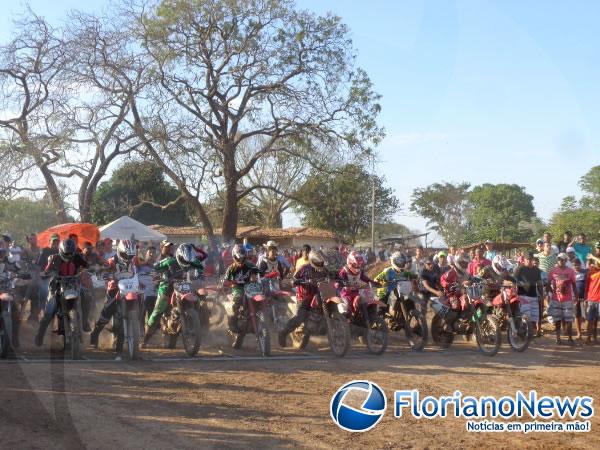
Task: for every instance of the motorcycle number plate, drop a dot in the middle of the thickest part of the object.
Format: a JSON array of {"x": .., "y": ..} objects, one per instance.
[{"x": 184, "y": 287}]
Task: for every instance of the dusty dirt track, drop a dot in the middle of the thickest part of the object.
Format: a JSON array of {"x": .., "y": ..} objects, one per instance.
[{"x": 224, "y": 402}]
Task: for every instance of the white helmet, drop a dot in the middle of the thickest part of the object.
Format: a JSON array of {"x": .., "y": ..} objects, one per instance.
[
  {"x": 500, "y": 264},
  {"x": 398, "y": 260},
  {"x": 461, "y": 263},
  {"x": 126, "y": 251}
]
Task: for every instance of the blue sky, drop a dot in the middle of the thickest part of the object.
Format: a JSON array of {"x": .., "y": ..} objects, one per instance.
[{"x": 481, "y": 91}]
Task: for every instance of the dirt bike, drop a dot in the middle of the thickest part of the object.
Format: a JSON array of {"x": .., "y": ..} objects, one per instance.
[
  {"x": 68, "y": 295},
  {"x": 366, "y": 316},
  {"x": 129, "y": 304},
  {"x": 507, "y": 313},
  {"x": 326, "y": 315},
  {"x": 277, "y": 301},
  {"x": 251, "y": 318},
  {"x": 403, "y": 314},
  {"x": 186, "y": 317},
  {"x": 464, "y": 315}
]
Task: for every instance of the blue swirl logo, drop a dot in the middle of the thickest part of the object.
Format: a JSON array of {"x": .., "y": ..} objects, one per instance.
[{"x": 370, "y": 413}]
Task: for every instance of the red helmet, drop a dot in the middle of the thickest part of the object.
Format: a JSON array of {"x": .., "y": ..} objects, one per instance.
[{"x": 355, "y": 261}]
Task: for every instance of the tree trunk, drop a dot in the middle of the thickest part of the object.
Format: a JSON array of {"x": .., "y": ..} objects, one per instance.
[
  {"x": 230, "y": 212},
  {"x": 55, "y": 195}
]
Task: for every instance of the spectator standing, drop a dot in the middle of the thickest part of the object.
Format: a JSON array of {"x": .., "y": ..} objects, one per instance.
[
  {"x": 563, "y": 286},
  {"x": 478, "y": 262},
  {"x": 490, "y": 251},
  {"x": 547, "y": 238},
  {"x": 566, "y": 242},
  {"x": 582, "y": 250},
  {"x": 418, "y": 261},
  {"x": 580, "y": 281},
  {"x": 303, "y": 259},
  {"x": 592, "y": 295},
  {"x": 529, "y": 280},
  {"x": 442, "y": 262}
]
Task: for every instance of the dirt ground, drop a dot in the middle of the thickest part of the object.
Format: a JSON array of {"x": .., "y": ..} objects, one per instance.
[{"x": 226, "y": 399}]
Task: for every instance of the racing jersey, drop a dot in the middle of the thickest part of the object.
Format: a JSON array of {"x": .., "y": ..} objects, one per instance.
[{"x": 390, "y": 279}]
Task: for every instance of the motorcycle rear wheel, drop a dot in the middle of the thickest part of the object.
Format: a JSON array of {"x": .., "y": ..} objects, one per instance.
[
  {"x": 191, "y": 332},
  {"x": 487, "y": 334},
  {"x": 338, "y": 334},
  {"x": 519, "y": 341}
]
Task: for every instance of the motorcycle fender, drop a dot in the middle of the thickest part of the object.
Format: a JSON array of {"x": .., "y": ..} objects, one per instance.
[
  {"x": 6, "y": 298},
  {"x": 258, "y": 298},
  {"x": 188, "y": 297},
  {"x": 131, "y": 296}
]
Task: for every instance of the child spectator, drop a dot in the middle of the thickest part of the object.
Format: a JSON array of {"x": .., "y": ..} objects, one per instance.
[{"x": 580, "y": 280}]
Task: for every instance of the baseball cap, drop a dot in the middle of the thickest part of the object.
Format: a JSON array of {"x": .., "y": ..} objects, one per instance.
[
  {"x": 488, "y": 241},
  {"x": 570, "y": 250},
  {"x": 54, "y": 237},
  {"x": 562, "y": 256},
  {"x": 539, "y": 241},
  {"x": 442, "y": 254}
]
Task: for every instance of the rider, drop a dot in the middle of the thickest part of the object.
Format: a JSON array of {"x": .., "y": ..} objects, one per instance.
[
  {"x": 306, "y": 280},
  {"x": 167, "y": 267},
  {"x": 238, "y": 273},
  {"x": 190, "y": 258},
  {"x": 452, "y": 280},
  {"x": 64, "y": 264},
  {"x": 391, "y": 276},
  {"x": 494, "y": 276},
  {"x": 7, "y": 266},
  {"x": 350, "y": 278},
  {"x": 271, "y": 267},
  {"x": 125, "y": 260}
]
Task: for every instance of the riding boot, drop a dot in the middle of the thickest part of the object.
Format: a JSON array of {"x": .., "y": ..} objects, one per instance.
[
  {"x": 39, "y": 337},
  {"x": 149, "y": 332},
  {"x": 15, "y": 333},
  {"x": 94, "y": 335}
]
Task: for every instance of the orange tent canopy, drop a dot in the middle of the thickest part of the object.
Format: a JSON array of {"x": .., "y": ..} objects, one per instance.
[{"x": 86, "y": 232}]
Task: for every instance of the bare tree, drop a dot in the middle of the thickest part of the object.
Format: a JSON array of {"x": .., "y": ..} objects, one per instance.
[
  {"x": 237, "y": 70},
  {"x": 29, "y": 66}
]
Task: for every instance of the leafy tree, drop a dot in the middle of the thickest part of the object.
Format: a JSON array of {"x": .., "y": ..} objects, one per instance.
[
  {"x": 496, "y": 212},
  {"x": 342, "y": 202},
  {"x": 139, "y": 189},
  {"x": 385, "y": 229},
  {"x": 444, "y": 206},
  {"x": 577, "y": 219},
  {"x": 590, "y": 184},
  {"x": 21, "y": 216},
  {"x": 228, "y": 71}
]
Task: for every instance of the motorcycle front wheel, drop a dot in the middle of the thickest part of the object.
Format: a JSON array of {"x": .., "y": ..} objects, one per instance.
[
  {"x": 133, "y": 332},
  {"x": 487, "y": 334},
  {"x": 338, "y": 334},
  {"x": 415, "y": 330},
  {"x": 73, "y": 333},
  {"x": 439, "y": 336},
  {"x": 376, "y": 335},
  {"x": 520, "y": 338},
  {"x": 191, "y": 331},
  {"x": 262, "y": 335}
]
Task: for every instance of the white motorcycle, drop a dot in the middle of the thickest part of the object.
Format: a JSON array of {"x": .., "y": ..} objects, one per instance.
[{"x": 129, "y": 299}]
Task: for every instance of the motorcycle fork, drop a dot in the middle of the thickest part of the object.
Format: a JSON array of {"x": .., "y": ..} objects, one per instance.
[{"x": 252, "y": 314}]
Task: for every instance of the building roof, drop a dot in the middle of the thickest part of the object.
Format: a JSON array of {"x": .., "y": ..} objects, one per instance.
[{"x": 252, "y": 232}]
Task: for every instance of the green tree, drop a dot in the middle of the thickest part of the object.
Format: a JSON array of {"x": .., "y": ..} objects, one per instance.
[
  {"x": 385, "y": 229},
  {"x": 138, "y": 189},
  {"x": 21, "y": 216},
  {"x": 495, "y": 211},
  {"x": 342, "y": 202},
  {"x": 444, "y": 206},
  {"x": 590, "y": 185}
]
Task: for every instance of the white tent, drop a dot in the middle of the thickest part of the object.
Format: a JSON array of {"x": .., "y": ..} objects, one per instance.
[{"x": 128, "y": 228}]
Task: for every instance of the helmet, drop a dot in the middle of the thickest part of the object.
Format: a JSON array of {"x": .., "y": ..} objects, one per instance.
[
  {"x": 249, "y": 248},
  {"x": 239, "y": 253},
  {"x": 398, "y": 260},
  {"x": 500, "y": 264},
  {"x": 126, "y": 251},
  {"x": 316, "y": 260},
  {"x": 185, "y": 255},
  {"x": 271, "y": 244},
  {"x": 67, "y": 249},
  {"x": 461, "y": 263},
  {"x": 355, "y": 261}
]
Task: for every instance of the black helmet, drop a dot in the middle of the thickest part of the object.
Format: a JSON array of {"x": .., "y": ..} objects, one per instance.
[{"x": 67, "y": 249}]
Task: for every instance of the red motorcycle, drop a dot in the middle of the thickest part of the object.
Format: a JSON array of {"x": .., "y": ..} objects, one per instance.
[
  {"x": 366, "y": 315},
  {"x": 251, "y": 318},
  {"x": 326, "y": 316},
  {"x": 278, "y": 301},
  {"x": 507, "y": 313}
]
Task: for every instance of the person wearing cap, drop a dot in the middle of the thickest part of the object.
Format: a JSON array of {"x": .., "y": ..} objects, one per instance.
[
  {"x": 563, "y": 286},
  {"x": 539, "y": 245},
  {"x": 529, "y": 282},
  {"x": 490, "y": 252},
  {"x": 571, "y": 257},
  {"x": 442, "y": 262},
  {"x": 165, "y": 268},
  {"x": 280, "y": 258}
]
